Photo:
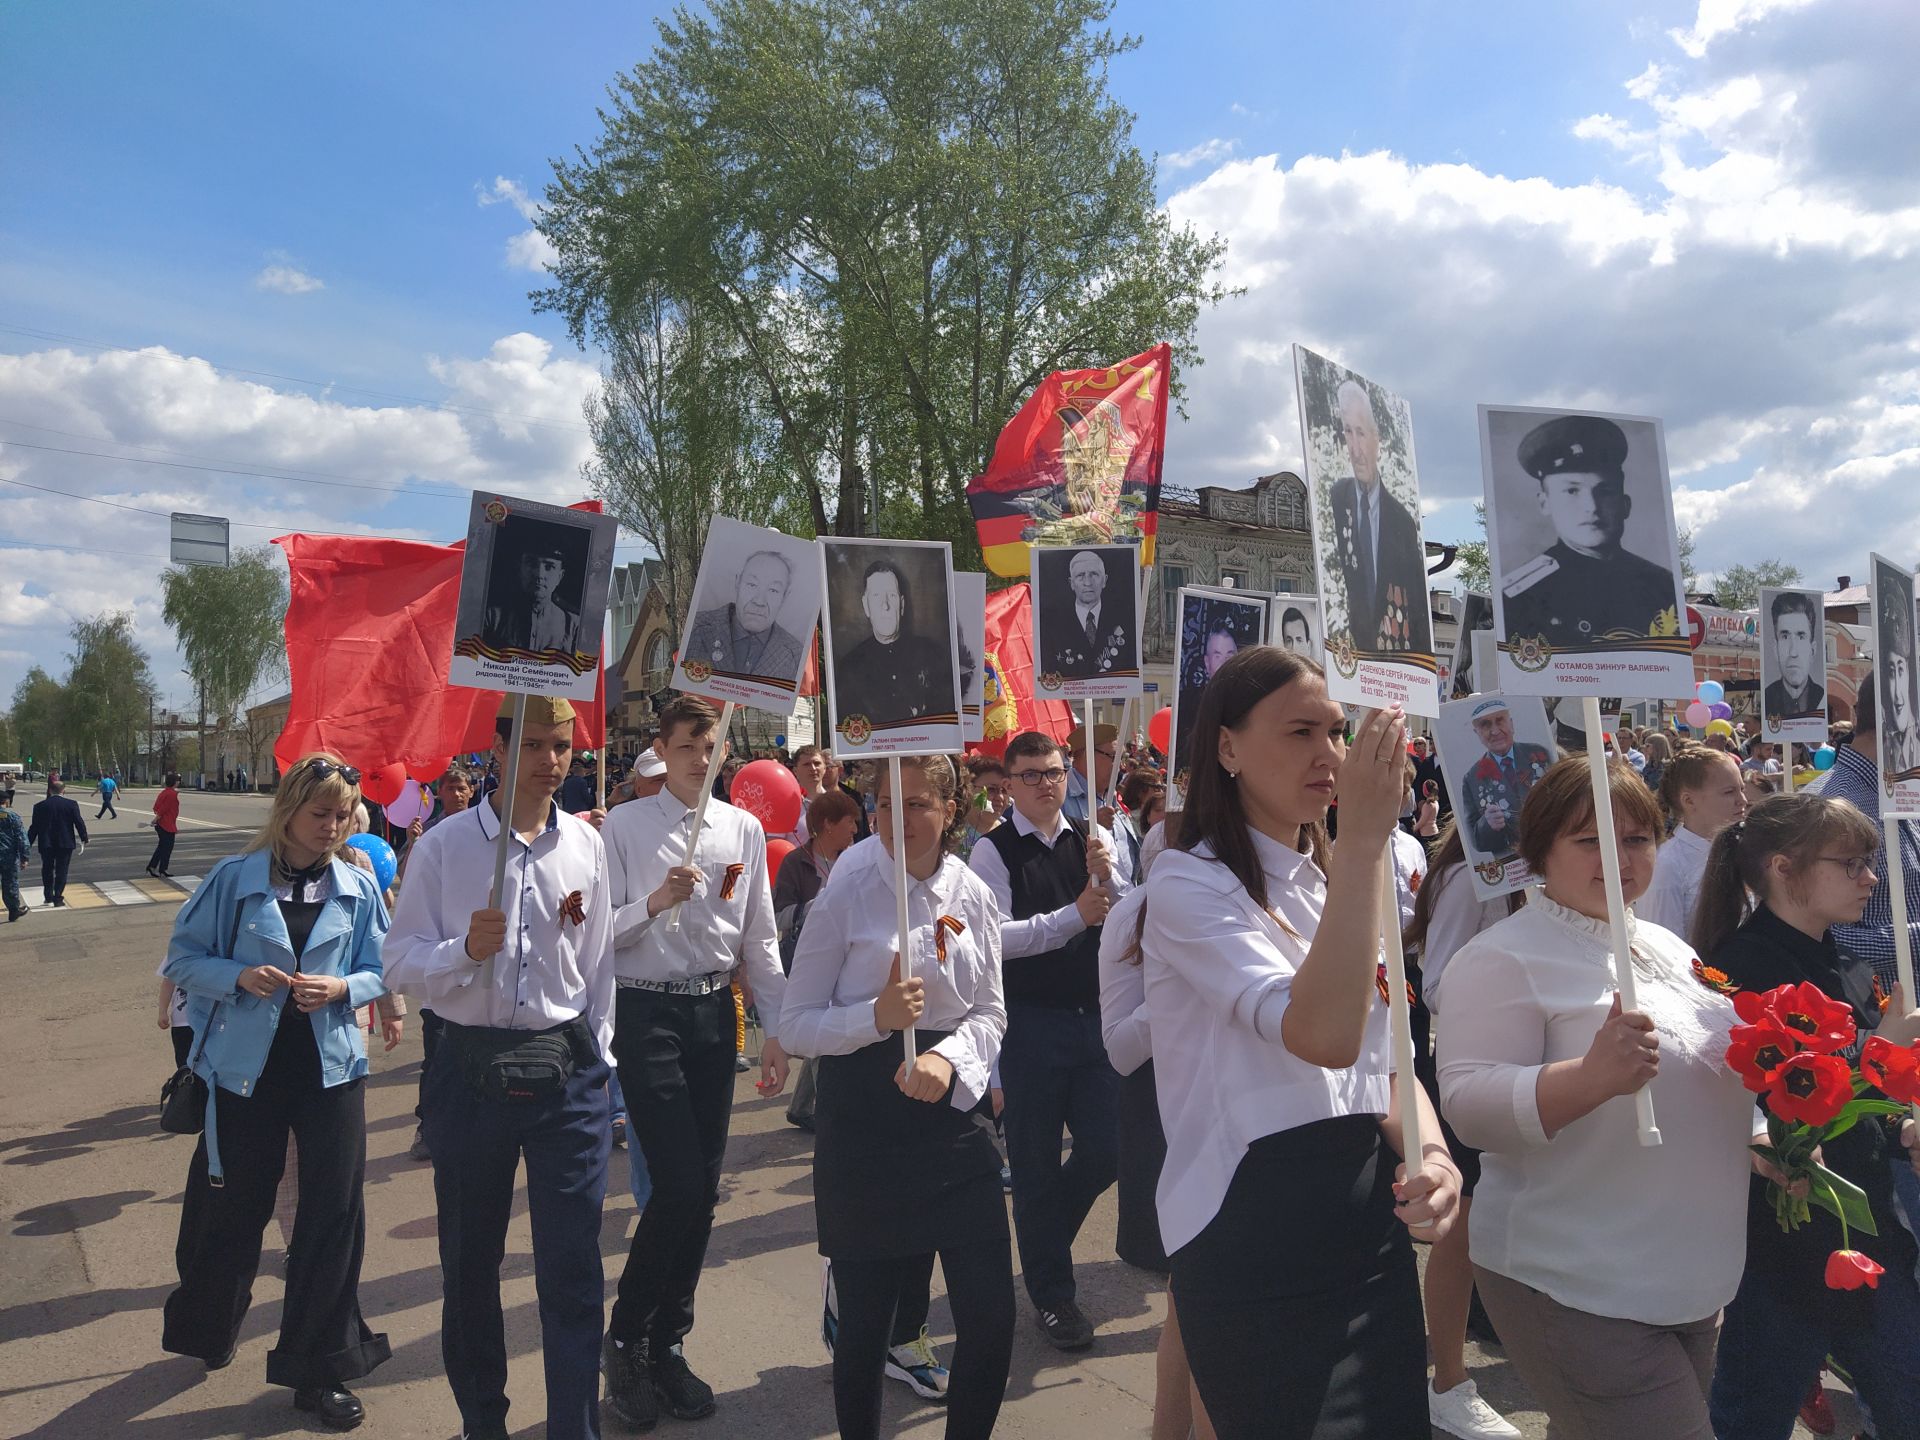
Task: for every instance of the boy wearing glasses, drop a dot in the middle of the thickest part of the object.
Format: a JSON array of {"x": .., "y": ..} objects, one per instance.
[{"x": 1054, "y": 881}]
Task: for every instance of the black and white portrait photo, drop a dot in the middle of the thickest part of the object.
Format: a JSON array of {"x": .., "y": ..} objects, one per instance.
[
  {"x": 892, "y": 654},
  {"x": 1368, "y": 551},
  {"x": 1293, "y": 623},
  {"x": 1086, "y": 643},
  {"x": 1793, "y": 666},
  {"x": 970, "y": 604},
  {"x": 755, "y": 604},
  {"x": 1473, "y": 613},
  {"x": 1493, "y": 748},
  {"x": 1215, "y": 625},
  {"x": 1585, "y": 555},
  {"x": 533, "y": 597},
  {"x": 1897, "y": 687}
]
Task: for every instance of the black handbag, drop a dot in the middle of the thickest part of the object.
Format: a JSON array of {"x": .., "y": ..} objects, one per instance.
[{"x": 183, "y": 1099}]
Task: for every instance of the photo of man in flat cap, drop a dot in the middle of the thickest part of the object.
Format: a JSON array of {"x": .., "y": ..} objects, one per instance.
[{"x": 1587, "y": 586}]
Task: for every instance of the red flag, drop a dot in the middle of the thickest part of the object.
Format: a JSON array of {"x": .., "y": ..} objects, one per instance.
[
  {"x": 369, "y": 637},
  {"x": 1080, "y": 462},
  {"x": 1010, "y": 706}
]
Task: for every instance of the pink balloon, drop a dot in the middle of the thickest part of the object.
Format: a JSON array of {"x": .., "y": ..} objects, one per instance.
[
  {"x": 767, "y": 791},
  {"x": 1698, "y": 714}
]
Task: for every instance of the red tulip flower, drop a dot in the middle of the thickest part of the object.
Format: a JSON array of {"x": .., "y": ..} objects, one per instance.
[
  {"x": 1818, "y": 1021},
  {"x": 1893, "y": 1070},
  {"x": 1809, "y": 1089},
  {"x": 1849, "y": 1270},
  {"x": 1755, "y": 1052}
]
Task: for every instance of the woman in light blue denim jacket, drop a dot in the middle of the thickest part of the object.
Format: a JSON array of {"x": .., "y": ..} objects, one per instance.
[{"x": 276, "y": 950}]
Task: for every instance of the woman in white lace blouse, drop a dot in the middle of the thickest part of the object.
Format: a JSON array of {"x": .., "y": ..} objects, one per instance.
[{"x": 1603, "y": 1263}]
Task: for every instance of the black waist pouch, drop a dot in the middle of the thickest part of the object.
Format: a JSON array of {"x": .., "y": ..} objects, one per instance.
[{"x": 519, "y": 1067}]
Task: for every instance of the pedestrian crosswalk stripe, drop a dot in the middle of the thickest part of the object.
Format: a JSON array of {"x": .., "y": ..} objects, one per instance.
[
  {"x": 99, "y": 894},
  {"x": 121, "y": 893}
]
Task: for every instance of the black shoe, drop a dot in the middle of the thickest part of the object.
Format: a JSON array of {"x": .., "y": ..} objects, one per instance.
[
  {"x": 629, "y": 1386},
  {"x": 800, "y": 1122},
  {"x": 486, "y": 1432},
  {"x": 59, "y": 902},
  {"x": 1065, "y": 1327},
  {"x": 338, "y": 1407},
  {"x": 684, "y": 1394},
  {"x": 226, "y": 1359},
  {"x": 419, "y": 1149}
]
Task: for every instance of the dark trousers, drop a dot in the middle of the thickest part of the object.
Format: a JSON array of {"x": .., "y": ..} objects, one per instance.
[
  {"x": 1058, "y": 1079},
  {"x": 872, "y": 1292},
  {"x": 676, "y": 1072},
  {"x": 431, "y": 1028},
  {"x": 477, "y": 1145},
  {"x": 10, "y": 888},
  {"x": 182, "y": 1037},
  {"x": 162, "y": 850},
  {"x": 106, "y": 807},
  {"x": 53, "y": 873},
  {"x": 1776, "y": 1333},
  {"x": 323, "y": 1338}
]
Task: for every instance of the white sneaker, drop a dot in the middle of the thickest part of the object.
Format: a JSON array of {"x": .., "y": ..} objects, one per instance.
[{"x": 1460, "y": 1411}]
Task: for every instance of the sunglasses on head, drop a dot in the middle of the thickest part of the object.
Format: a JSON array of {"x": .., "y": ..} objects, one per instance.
[{"x": 321, "y": 769}]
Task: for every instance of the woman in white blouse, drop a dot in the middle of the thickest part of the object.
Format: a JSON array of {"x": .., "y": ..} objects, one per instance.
[
  {"x": 1704, "y": 793},
  {"x": 1279, "y": 1206},
  {"x": 905, "y": 1165},
  {"x": 1603, "y": 1262}
]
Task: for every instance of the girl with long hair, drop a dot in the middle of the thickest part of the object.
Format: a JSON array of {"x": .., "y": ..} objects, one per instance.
[
  {"x": 1776, "y": 885},
  {"x": 1602, "y": 1261},
  {"x": 1703, "y": 793},
  {"x": 1283, "y": 1206},
  {"x": 278, "y": 947},
  {"x": 904, "y": 1168}
]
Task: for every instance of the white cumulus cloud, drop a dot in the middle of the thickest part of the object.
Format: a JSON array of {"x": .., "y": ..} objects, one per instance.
[
  {"x": 283, "y": 277},
  {"x": 528, "y": 250}
]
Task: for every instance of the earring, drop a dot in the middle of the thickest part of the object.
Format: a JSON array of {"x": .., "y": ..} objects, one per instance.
[{"x": 1233, "y": 774}]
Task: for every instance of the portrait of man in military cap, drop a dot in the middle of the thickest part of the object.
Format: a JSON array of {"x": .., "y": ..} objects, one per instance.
[
  {"x": 1493, "y": 749},
  {"x": 535, "y": 604},
  {"x": 1585, "y": 551}
]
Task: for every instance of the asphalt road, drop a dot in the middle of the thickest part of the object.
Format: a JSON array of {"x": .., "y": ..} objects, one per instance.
[{"x": 89, "y": 1205}]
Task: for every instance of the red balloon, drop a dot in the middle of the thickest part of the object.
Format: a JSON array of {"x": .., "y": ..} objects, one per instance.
[
  {"x": 383, "y": 783},
  {"x": 777, "y": 850},
  {"x": 428, "y": 771},
  {"x": 1160, "y": 729},
  {"x": 767, "y": 791}
]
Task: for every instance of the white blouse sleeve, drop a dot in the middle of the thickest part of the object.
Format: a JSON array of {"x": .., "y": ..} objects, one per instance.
[
  {"x": 1455, "y": 919},
  {"x": 810, "y": 1022},
  {"x": 1664, "y": 904},
  {"x": 1493, "y": 1037},
  {"x": 1203, "y": 934},
  {"x": 1123, "y": 989},
  {"x": 973, "y": 1049}
]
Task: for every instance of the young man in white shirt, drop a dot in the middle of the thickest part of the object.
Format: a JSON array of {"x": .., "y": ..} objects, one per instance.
[
  {"x": 531, "y": 969},
  {"x": 1054, "y": 885},
  {"x": 674, "y": 1036}
]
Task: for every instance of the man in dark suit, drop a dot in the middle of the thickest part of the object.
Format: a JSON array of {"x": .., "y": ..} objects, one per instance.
[
  {"x": 1085, "y": 635},
  {"x": 1376, "y": 542},
  {"x": 1794, "y": 693},
  {"x": 1499, "y": 780},
  {"x": 894, "y": 674},
  {"x": 744, "y": 636},
  {"x": 59, "y": 829}
]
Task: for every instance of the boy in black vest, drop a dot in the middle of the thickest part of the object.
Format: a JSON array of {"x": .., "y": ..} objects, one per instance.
[{"x": 1055, "y": 883}]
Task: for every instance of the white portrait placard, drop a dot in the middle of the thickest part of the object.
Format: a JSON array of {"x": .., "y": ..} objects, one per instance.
[
  {"x": 755, "y": 605},
  {"x": 1493, "y": 748},
  {"x": 1086, "y": 622},
  {"x": 1793, "y": 666},
  {"x": 892, "y": 650}
]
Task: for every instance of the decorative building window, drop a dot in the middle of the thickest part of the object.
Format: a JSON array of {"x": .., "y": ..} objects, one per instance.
[
  {"x": 659, "y": 654},
  {"x": 1233, "y": 579},
  {"x": 1172, "y": 579}
]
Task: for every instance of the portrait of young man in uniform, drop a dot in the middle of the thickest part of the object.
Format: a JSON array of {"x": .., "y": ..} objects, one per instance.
[{"x": 527, "y": 611}]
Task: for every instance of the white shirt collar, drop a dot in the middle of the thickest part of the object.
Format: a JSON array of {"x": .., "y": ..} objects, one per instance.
[
  {"x": 1024, "y": 826},
  {"x": 490, "y": 822}
]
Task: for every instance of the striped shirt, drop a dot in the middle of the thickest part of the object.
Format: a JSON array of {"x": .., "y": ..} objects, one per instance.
[{"x": 1856, "y": 779}]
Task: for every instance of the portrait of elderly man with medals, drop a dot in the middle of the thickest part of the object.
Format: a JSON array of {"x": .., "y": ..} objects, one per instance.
[{"x": 1497, "y": 782}]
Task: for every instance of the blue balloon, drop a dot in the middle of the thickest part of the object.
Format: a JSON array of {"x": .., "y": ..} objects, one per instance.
[
  {"x": 380, "y": 853},
  {"x": 780, "y": 742},
  {"x": 1823, "y": 758},
  {"x": 1710, "y": 692}
]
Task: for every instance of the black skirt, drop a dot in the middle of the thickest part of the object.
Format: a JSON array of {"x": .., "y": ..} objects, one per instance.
[
  {"x": 895, "y": 1177},
  {"x": 1300, "y": 1301},
  {"x": 1143, "y": 1151}
]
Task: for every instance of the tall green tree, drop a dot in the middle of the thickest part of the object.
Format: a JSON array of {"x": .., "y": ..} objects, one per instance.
[
  {"x": 1738, "y": 586},
  {"x": 903, "y": 215},
  {"x": 109, "y": 690},
  {"x": 230, "y": 624},
  {"x": 38, "y": 710}
]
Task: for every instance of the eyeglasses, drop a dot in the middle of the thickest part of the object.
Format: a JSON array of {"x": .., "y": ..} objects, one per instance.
[
  {"x": 321, "y": 769},
  {"x": 1854, "y": 865},
  {"x": 1034, "y": 779}
]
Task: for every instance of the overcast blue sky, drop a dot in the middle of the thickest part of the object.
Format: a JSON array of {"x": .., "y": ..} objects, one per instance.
[{"x": 1697, "y": 211}]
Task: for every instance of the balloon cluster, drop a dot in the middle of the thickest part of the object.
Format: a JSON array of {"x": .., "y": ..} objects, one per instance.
[{"x": 1709, "y": 710}]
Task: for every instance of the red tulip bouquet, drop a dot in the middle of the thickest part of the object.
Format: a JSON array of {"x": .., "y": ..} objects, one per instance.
[{"x": 1787, "y": 1050}]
